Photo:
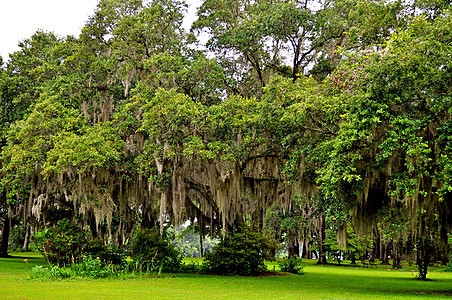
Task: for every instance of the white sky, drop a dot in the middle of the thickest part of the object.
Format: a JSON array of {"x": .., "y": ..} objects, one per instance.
[{"x": 19, "y": 19}]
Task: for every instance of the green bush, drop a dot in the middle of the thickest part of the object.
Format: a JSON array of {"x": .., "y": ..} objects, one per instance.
[
  {"x": 17, "y": 238},
  {"x": 38, "y": 272},
  {"x": 88, "y": 267},
  {"x": 59, "y": 272},
  {"x": 449, "y": 267},
  {"x": 291, "y": 265},
  {"x": 154, "y": 252},
  {"x": 108, "y": 254},
  {"x": 62, "y": 244},
  {"x": 53, "y": 272},
  {"x": 65, "y": 243},
  {"x": 240, "y": 253}
]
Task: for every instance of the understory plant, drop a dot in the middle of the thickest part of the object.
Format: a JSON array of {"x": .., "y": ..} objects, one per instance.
[
  {"x": 87, "y": 267},
  {"x": 152, "y": 251},
  {"x": 66, "y": 244},
  {"x": 449, "y": 266},
  {"x": 291, "y": 265},
  {"x": 62, "y": 244},
  {"x": 240, "y": 253}
]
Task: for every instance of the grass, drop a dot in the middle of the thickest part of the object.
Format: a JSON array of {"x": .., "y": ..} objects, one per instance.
[{"x": 319, "y": 282}]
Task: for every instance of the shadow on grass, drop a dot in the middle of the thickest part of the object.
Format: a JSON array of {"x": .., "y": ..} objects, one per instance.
[
  {"x": 23, "y": 257},
  {"x": 369, "y": 281}
]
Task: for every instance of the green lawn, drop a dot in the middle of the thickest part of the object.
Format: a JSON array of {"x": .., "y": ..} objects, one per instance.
[{"x": 319, "y": 282}]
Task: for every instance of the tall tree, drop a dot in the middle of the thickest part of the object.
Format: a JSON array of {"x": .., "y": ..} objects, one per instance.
[
  {"x": 287, "y": 37},
  {"x": 391, "y": 145}
]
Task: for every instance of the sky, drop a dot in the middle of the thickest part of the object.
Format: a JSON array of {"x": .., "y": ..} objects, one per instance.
[{"x": 19, "y": 19}]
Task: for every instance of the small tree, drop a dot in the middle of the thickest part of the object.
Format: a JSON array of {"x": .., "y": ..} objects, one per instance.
[
  {"x": 154, "y": 252},
  {"x": 63, "y": 243},
  {"x": 240, "y": 253}
]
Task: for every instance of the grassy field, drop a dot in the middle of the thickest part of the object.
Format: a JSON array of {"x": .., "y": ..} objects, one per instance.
[{"x": 319, "y": 282}]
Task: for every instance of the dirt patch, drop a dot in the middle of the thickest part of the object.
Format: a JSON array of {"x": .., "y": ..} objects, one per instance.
[
  {"x": 272, "y": 274},
  {"x": 439, "y": 293}
]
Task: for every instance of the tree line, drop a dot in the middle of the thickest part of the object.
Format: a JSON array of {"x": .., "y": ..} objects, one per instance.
[{"x": 325, "y": 123}]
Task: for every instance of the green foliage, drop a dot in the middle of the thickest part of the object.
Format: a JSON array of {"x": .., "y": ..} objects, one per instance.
[
  {"x": 108, "y": 254},
  {"x": 92, "y": 268},
  {"x": 62, "y": 244},
  {"x": 87, "y": 267},
  {"x": 189, "y": 242},
  {"x": 154, "y": 252},
  {"x": 132, "y": 121},
  {"x": 16, "y": 238},
  {"x": 240, "y": 253},
  {"x": 268, "y": 34},
  {"x": 389, "y": 151},
  {"x": 291, "y": 265},
  {"x": 449, "y": 267}
]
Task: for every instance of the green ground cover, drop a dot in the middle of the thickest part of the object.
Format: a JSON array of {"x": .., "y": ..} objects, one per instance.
[{"x": 319, "y": 282}]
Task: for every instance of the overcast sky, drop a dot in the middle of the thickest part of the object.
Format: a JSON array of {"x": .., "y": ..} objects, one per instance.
[{"x": 19, "y": 19}]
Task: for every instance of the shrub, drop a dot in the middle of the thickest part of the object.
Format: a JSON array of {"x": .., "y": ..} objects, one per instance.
[
  {"x": 291, "y": 265},
  {"x": 40, "y": 272},
  {"x": 154, "y": 252},
  {"x": 17, "y": 238},
  {"x": 240, "y": 253},
  {"x": 108, "y": 254},
  {"x": 96, "y": 248},
  {"x": 62, "y": 244},
  {"x": 191, "y": 268},
  {"x": 88, "y": 267},
  {"x": 53, "y": 272},
  {"x": 59, "y": 272},
  {"x": 449, "y": 267},
  {"x": 114, "y": 255}
]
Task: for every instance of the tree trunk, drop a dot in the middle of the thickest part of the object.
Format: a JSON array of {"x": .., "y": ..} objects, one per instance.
[
  {"x": 384, "y": 254},
  {"x": 424, "y": 250},
  {"x": 294, "y": 246},
  {"x": 374, "y": 251},
  {"x": 5, "y": 236},
  {"x": 445, "y": 260},
  {"x": 27, "y": 238},
  {"x": 372, "y": 256},
  {"x": 396, "y": 260},
  {"x": 445, "y": 247},
  {"x": 382, "y": 249},
  {"x": 322, "y": 257},
  {"x": 303, "y": 250},
  {"x": 308, "y": 254},
  {"x": 201, "y": 246}
]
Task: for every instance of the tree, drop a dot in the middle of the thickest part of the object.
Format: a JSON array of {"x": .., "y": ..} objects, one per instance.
[
  {"x": 85, "y": 156},
  {"x": 21, "y": 82},
  {"x": 286, "y": 37},
  {"x": 266, "y": 35},
  {"x": 393, "y": 123},
  {"x": 240, "y": 253}
]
